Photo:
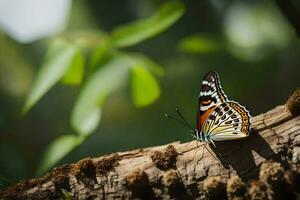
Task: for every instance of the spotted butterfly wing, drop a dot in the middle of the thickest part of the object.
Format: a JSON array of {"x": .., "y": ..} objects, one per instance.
[
  {"x": 228, "y": 121},
  {"x": 218, "y": 118},
  {"x": 210, "y": 96}
]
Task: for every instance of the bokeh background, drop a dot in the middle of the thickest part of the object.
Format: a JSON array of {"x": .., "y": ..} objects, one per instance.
[{"x": 249, "y": 43}]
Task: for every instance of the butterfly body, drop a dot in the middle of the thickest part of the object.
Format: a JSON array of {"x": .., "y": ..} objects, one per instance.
[{"x": 218, "y": 118}]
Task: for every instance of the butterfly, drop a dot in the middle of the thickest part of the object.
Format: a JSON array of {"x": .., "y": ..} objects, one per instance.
[{"x": 218, "y": 118}]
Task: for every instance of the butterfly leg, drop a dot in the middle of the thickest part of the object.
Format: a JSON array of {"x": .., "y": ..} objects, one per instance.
[
  {"x": 197, "y": 146},
  {"x": 220, "y": 157},
  {"x": 211, "y": 152},
  {"x": 202, "y": 155},
  {"x": 211, "y": 141}
]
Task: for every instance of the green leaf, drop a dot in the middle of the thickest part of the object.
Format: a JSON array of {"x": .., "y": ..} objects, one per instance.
[
  {"x": 86, "y": 38},
  {"x": 145, "y": 61},
  {"x": 74, "y": 74},
  {"x": 100, "y": 54},
  {"x": 57, "y": 150},
  {"x": 143, "y": 29},
  {"x": 58, "y": 60},
  {"x": 144, "y": 87},
  {"x": 87, "y": 110},
  {"x": 199, "y": 44}
]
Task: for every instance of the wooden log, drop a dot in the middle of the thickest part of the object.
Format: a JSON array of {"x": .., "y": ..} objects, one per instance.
[{"x": 236, "y": 168}]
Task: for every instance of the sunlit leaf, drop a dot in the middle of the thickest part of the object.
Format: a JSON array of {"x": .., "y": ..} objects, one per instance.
[
  {"x": 200, "y": 44},
  {"x": 57, "y": 150},
  {"x": 58, "y": 60},
  {"x": 75, "y": 72},
  {"x": 145, "y": 61},
  {"x": 143, "y": 29},
  {"x": 144, "y": 87},
  {"x": 100, "y": 54},
  {"x": 87, "y": 38},
  {"x": 87, "y": 110}
]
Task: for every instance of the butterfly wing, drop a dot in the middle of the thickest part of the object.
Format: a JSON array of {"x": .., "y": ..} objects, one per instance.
[
  {"x": 227, "y": 121},
  {"x": 210, "y": 96}
]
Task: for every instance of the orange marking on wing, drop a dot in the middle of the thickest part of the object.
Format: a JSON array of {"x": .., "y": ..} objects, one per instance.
[
  {"x": 206, "y": 102},
  {"x": 205, "y": 115}
]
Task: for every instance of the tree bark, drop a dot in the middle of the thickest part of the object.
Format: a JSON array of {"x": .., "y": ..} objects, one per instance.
[{"x": 236, "y": 168}]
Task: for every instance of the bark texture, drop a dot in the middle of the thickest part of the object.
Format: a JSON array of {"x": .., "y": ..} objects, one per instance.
[{"x": 263, "y": 166}]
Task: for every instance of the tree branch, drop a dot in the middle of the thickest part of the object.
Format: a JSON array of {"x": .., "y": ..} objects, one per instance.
[{"x": 172, "y": 171}]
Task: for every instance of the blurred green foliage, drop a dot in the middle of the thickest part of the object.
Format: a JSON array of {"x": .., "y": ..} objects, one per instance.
[
  {"x": 59, "y": 148},
  {"x": 87, "y": 110},
  {"x": 144, "y": 87},
  {"x": 108, "y": 49},
  {"x": 200, "y": 44},
  {"x": 60, "y": 60},
  {"x": 65, "y": 61},
  {"x": 138, "y": 31}
]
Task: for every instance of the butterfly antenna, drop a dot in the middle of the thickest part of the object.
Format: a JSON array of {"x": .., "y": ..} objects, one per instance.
[
  {"x": 177, "y": 120},
  {"x": 183, "y": 119}
]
